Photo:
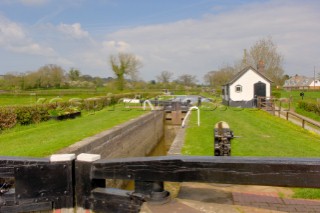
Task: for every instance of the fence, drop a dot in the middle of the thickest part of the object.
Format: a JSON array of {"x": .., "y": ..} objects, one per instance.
[
  {"x": 55, "y": 183},
  {"x": 303, "y": 119},
  {"x": 31, "y": 184}
]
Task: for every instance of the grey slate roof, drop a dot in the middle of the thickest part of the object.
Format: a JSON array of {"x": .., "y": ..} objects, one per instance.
[
  {"x": 298, "y": 81},
  {"x": 242, "y": 72}
]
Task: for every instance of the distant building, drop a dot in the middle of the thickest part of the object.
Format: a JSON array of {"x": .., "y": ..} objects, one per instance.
[
  {"x": 301, "y": 83},
  {"x": 243, "y": 89}
]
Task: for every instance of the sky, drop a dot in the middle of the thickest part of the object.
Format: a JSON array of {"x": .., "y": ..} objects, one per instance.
[{"x": 181, "y": 36}]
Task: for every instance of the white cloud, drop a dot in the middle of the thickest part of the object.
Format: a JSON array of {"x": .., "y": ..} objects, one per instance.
[
  {"x": 193, "y": 46},
  {"x": 73, "y": 30},
  {"x": 14, "y": 38},
  {"x": 197, "y": 46},
  {"x": 116, "y": 46},
  {"x": 32, "y": 49},
  {"x": 10, "y": 31}
]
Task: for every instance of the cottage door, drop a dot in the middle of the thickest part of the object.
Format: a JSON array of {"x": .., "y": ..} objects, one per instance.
[{"x": 259, "y": 90}]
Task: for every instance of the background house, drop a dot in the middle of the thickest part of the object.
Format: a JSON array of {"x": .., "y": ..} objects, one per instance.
[
  {"x": 301, "y": 83},
  {"x": 245, "y": 86}
]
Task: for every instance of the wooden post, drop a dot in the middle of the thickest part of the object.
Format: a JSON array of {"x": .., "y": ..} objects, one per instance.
[
  {"x": 303, "y": 123},
  {"x": 65, "y": 158},
  {"x": 280, "y": 109},
  {"x": 84, "y": 184},
  {"x": 176, "y": 113}
]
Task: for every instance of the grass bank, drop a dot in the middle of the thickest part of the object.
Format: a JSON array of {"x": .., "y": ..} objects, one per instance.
[
  {"x": 43, "y": 139},
  {"x": 260, "y": 134}
]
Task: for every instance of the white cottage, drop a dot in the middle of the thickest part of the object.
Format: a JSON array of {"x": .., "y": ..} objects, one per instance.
[{"x": 245, "y": 87}]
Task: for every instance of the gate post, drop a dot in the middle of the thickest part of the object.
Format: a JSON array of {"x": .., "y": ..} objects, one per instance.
[
  {"x": 84, "y": 184},
  {"x": 65, "y": 205}
]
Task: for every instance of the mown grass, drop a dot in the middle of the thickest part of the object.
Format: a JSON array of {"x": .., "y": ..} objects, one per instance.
[
  {"x": 260, "y": 134},
  {"x": 308, "y": 95},
  {"x": 46, "y": 138}
]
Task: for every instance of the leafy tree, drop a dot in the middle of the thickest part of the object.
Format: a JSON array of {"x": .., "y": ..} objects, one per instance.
[
  {"x": 51, "y": 76},
  {"x": 125, "y": 64},
  {"x": 11, "y": 81},
  {"x": 74, "y": 74}
]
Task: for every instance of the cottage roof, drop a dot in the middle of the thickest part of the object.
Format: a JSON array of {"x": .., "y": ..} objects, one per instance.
[
  {"x": 242, "y": 72},
  {"x": 298, "y": 81}
]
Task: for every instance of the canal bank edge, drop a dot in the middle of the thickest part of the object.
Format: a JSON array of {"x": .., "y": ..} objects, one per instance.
[{"x": 135, "y": 138}]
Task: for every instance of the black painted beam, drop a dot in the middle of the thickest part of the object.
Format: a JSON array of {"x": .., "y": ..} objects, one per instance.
[{"x": 292, "y": 172}]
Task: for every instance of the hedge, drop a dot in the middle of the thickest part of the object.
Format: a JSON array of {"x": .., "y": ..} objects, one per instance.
[
  {"x": 8, "y": 118},
  {"x": 309, "y": 107},
  {"x": 24, "y": 115}
]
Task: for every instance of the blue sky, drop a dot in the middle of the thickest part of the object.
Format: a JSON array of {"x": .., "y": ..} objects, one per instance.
[{"x": 181, "y": 36}]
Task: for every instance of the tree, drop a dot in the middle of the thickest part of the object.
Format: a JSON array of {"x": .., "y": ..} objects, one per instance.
[
  {"x": 220, "y": 77},
  {"x": 164, "y": 77},
  {"x": 187, "y": 80},
  {"x": 74, "y": 74},
  {"x": 125, "y": 64},
  {"x": 51, "y": 75},
  {"x": 265, "y": 51}
]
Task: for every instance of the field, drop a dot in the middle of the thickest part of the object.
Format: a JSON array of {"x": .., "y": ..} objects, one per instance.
[{"x": 308, "y": 95}]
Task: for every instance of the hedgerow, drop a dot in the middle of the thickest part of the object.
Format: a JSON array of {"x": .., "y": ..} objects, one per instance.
[
  {"x": 8, "y": 118},
  {"x": 32, "y": 114},
  {"x": 309, "y": 107}
]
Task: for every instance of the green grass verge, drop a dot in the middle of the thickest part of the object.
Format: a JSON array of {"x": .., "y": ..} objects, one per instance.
[
  {"x": 260, "y": 134},
  {"x": 46, "y": 138}
]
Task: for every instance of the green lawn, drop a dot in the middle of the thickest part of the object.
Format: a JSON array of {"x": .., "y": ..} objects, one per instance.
[
  {"x": 260, "y": 134},
  {"x": 308, "y": 95},
  {"x": 46, "y": 138}
]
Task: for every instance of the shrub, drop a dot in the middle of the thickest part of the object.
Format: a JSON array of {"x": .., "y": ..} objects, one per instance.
[
  {"x": 276, "y": 94},
  {"x": 8, "y": 118},
  {"x": 309, "y": 107},
  {"x": 31, "y": 114}
]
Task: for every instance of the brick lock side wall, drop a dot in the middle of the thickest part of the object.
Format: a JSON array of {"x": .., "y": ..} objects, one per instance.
[{"x": 135, "y": 138}]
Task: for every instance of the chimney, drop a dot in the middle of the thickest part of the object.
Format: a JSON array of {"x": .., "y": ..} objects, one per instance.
[{"x": 261, "y": 66}]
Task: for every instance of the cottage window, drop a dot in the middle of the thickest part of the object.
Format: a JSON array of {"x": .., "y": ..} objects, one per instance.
[{"x": 238, "y": 88}]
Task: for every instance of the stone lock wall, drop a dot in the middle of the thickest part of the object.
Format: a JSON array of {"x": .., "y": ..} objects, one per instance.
[{"x": 135, "y": 138}]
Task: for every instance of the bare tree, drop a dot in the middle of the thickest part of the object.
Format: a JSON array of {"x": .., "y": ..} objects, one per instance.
[
  {"x": 265, "y": 51},
  {"x": 220, "y": 77},
  {"x": 187, "y": 80},
  {"x": 164, "y": 77},
  {"x": 124, "y": 64}
]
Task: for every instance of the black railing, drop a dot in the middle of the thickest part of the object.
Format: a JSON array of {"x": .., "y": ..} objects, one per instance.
[
  {"x": 46, "y": 184},
  {"x": 149, "y": 173},
  {"x": 36, "y": 184}
]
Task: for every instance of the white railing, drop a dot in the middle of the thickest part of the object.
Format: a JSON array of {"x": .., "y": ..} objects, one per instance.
[{"x": 188, "y": 113}]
